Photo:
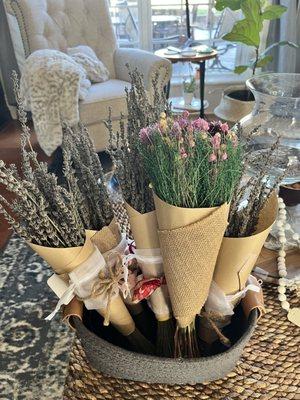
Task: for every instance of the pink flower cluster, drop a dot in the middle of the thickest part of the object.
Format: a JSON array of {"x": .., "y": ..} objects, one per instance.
[{"x": 183, "y": 134}]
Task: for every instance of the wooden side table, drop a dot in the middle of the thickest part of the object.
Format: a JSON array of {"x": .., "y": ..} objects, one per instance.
[{"x": 199, "y": 59}]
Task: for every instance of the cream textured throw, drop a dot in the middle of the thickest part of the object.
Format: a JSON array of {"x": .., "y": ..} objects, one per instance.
[{"x": 51, "y": 85}]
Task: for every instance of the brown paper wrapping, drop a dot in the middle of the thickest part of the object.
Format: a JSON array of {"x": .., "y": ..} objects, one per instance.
[
  {"x": 254, "y": 300},
  {"x": 251, "y": 301},
  {"x": 190, "y": 240},
  {"x": 119, "y": 317},
  {"x": 144, "y": 230},
  {"x": 73, "y": 309},
  {"x": 106, "y": 239},
  {"x": 65, "y": 260},
  {"x": 238, "y": 256}
]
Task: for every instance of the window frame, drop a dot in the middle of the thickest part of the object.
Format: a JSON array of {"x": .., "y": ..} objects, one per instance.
[{"x": 145, "y": 37}]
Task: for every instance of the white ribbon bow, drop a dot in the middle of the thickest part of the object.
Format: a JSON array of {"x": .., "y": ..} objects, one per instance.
[{"x": 83, "y": 278}]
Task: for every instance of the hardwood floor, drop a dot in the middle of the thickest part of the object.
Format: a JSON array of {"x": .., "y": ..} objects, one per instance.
[{"x": 10, "y": 154}]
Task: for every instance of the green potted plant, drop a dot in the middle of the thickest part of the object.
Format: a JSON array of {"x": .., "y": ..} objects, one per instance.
[
  {"x": 189, "y": 87},
  {"x": 237, "y": 101}
]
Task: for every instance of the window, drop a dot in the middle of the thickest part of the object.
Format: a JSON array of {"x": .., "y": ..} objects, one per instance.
[{"x": 154, "y": 24}]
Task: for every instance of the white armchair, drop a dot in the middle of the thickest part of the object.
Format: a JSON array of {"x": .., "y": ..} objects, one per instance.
[{"x": 29, "y": 25}]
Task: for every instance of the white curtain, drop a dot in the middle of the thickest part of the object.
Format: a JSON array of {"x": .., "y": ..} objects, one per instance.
[{"x": 286, "y": 59}]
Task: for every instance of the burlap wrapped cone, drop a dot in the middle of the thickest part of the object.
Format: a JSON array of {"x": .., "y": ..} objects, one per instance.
[
  {"x": 65, "y": 260},
  {"x": 237, "y": 256},
  {"x": 144, "y": 230},
  {"x": 190, "y": 240}
]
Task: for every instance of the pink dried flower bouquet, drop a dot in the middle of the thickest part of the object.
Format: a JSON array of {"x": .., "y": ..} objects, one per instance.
[{"x": 191, "y": 163}]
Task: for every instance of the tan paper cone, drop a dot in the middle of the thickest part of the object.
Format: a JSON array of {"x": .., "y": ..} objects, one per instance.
[
  {"x": 73, "y": 309},
  {"x": 119, "y": 316},
  {"x": 64, "y": 260},
  {"x": 144, "y": 230},
  {"x": 237, "y": 256},
  {"x": 190, "y": 240},
  {"x": 254, "y": 300}
]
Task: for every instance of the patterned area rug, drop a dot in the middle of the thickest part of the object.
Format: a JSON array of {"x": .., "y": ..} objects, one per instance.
[{"x": 34, "y": 353}]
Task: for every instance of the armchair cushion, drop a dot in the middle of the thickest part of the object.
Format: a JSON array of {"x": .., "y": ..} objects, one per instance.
[
  {"x": 100, "y": 98},
  {"x": 146, "y": 63}
]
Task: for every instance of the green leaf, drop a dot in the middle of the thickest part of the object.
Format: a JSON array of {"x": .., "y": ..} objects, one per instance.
[
  {"x": 273, "y": 12},
  {"x": 251, "y": 9},
  {"x": 252, "y": 12},
  {"x": 244, "y": 32},
  {"x": 232, "y": 4},
  {"x": 263, "y": 61},
  {"x": 281, "y": 43},
  {"x": 240, "y": 69}
]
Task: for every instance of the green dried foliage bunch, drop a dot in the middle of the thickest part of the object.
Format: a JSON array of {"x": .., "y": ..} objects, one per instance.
[
  {"x": 143, "y": 110},
  {"x": 85, "y": 179},
  {"x": 255, "y": 189},
  {"x": 43, "y": 212},
  {"x": 191, "y": 163}
]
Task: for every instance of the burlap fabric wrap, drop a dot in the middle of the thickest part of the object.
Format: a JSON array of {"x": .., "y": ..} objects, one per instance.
[
  {"x": 268, "y": 369},
  {"x": 238, "y": 256},
  {"x": 190, "y": 241}
]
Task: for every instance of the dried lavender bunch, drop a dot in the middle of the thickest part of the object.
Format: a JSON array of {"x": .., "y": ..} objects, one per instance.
[
  {"x": 85, "y": 178},
  {"x": 123, "y": 144},
  {"x": 250, "y": 198},
  {"x": 43, "y": 211}
]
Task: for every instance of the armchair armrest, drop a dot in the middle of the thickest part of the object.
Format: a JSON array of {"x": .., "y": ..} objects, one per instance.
[{"x": 146, "y": 63}]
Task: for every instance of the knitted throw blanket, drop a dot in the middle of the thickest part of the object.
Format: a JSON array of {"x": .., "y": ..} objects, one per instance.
[{"x": 51, "y": 85}]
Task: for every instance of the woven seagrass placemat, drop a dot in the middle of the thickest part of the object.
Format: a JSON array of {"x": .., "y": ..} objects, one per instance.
[{"x": 268, "y": 369}]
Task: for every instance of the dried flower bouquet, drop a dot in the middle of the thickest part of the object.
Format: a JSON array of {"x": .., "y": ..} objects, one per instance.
[
  {"x": 125, "y": 153},
  {"x": 71, "y": 226},
  {"x": 194, "y": 168},
  {"x": 252, "y": 213}
]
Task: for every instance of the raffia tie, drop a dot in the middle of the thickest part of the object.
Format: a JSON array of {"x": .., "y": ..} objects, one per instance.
[
  {"x": 108, "y": 282},
  {"x": 212, "y": 318}
]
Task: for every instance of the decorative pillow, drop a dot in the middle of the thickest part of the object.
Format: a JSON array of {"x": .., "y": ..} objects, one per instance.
[{"x": 86, "y": 57}]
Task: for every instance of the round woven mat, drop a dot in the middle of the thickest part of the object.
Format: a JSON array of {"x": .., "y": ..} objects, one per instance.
[{"x": 268, "y": 369}]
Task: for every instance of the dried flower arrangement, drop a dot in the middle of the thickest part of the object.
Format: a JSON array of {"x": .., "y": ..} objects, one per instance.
[
  {"x": 194, "y": 167},
  {"x": 253, "y": 211},
  {"x": 43, "y": 212},
  {"x": 123, "y": 144},
  {"x": 85, "y": 178},
  {"x": 191, "y": 163},
  {"x": 254, "y": 193},
  {"x": 71, "y": 226},
  {"x": 143, "y": 109}
]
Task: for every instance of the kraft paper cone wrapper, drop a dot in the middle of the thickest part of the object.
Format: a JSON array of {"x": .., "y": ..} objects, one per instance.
[
  {"x": 251, "y": 301},
  {"x": 119, "y": 317},
  {"x": 190, "y": 240},
  {"x": 73, "y": 309},
  {"x": 254, "y": 300},
  {"x": 105, "y": 240},
  {"x": 237, "y": 256},
  {"x": 64, "y": 260},
  {"x": 144, "y": 230}
]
